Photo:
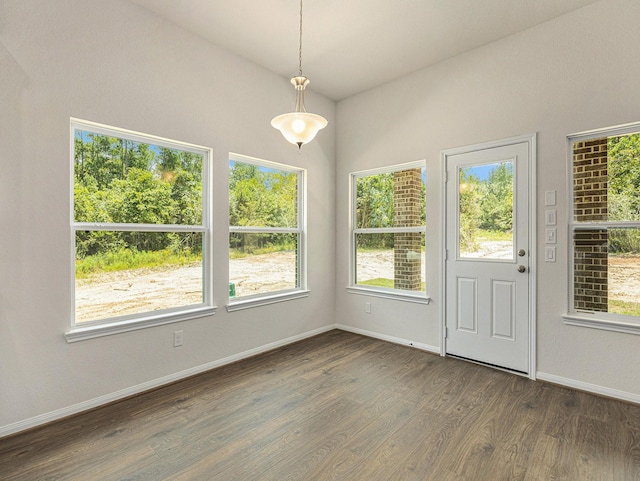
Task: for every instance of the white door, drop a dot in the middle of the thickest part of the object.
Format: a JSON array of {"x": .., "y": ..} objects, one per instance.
[{"x": 487, "y": 267}]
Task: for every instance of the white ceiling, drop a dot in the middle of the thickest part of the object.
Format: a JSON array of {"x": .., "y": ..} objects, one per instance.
[{"x": 349, "y": 46}]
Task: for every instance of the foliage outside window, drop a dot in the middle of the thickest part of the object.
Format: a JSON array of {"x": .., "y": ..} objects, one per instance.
[
  {"x": 605, "y": 224},
  {"x": 266, "y": 232},
  {"x": 140, "y": 225},
  {"x": 486, "y": 211},
  {"x": 388, "y": 229}
]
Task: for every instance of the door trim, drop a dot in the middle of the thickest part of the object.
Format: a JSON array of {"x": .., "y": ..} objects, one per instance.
[{"x": 530, "y": 139}]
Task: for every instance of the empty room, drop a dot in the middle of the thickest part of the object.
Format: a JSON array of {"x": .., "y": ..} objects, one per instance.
[{"x": 357, "y": 240}]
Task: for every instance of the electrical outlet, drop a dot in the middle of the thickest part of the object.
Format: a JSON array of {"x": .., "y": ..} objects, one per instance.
[
  {"x": 367, "y": 307},
  {"x": 177, "y": 339}
]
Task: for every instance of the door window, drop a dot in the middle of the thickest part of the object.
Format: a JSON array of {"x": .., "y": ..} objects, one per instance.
[{"x": 485, "y": 211}]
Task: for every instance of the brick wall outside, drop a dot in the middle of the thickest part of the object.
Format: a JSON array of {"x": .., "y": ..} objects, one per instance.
[
  {"x": 590, "y": 273},
  {"x": 407, "y": 247},
  {"x": 590, "y": 180}
]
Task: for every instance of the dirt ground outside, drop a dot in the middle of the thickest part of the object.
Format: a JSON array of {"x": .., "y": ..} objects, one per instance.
[
  {"x": 143, "y": 290},
  {"x": 128, "y": 292},
  {"x": 624, "y": 278},
  {"x": 121, "y": 293}
]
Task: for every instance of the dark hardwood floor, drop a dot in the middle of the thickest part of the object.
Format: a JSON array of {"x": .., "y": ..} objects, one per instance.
[{"x": 345, "y": 407}]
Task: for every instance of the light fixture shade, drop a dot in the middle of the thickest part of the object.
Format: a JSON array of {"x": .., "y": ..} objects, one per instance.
[{"x": 299, "y": 128}]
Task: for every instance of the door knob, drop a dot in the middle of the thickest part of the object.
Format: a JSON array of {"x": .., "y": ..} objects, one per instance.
[
  {"x": 521, "y": 252},
  {"x": 521, "y": 268}
]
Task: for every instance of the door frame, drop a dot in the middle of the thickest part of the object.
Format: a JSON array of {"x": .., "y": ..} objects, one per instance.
[{"x": 530, "y": 139}]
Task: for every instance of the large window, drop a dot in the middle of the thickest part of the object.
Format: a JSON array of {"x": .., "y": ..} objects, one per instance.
[
  {"x": 605, "y": 229},
  {"x": 140, "y": 227},
  {"x": 266, "y": 231},
  {"x": 388, "y": 230}
]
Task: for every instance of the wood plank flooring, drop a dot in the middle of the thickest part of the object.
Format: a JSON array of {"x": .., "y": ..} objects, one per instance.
[{"x": 340, "y": 407}]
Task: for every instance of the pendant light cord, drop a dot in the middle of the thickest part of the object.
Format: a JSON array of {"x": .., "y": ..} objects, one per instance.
[{"x": 300, "y": 43}]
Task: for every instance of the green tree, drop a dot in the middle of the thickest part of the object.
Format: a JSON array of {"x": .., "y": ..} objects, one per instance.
[
  {"x": 192, "y": 163},
  {"x": 375, "y": 208},
  {"x": 186, "y": 194},
  {"x": 122, "y": 181},
  {"x": 247, "y": 202},
  {"x": 623, "y": 190},
  {"x": 470, "y": 209},
  {"x": 496, "y": 213},
  {"x": 283, "y": 188},
  {"x": 374, "y": 197},
  {"x": 167, "y": 163},
  {"x": 142, "y": 199},
  {"x": 261, "y": 197}
]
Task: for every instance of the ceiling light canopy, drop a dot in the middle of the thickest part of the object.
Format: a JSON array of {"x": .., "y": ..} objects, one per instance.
[{"x": 299, "y": 127}]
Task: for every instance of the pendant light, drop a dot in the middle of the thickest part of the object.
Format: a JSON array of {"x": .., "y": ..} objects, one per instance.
[{"x": 299, "y": 127}]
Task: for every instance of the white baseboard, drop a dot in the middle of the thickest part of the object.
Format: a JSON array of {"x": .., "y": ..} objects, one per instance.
[
  {"x": 384, "y": 337},
  {"x": 582, "y": 386},
  {"x": 155, "y": 383},
  {"x": 592, "y": 388},
  {"x": 124, "y": 393}
]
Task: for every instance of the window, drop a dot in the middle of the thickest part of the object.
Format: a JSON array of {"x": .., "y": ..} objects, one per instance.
[
  {"x": 140, "y": 227},
  {"x": 388, "y": 231},
  {"x": 605, "y": 229},
  {"x": 266, "y": 232}
]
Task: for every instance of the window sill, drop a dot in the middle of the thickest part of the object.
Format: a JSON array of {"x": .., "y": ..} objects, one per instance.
[
  {"x": 395, "y": 295},
  {"x": 81, "y": 333},
  {"x": 263, "y": 300},
  {"x": 587, "y": 320}
]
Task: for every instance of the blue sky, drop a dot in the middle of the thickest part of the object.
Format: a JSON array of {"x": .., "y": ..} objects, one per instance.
[{"x": 482, "y": 171}]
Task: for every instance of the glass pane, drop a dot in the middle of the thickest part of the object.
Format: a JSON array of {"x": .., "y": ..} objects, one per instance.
[
  {"x": 392, "y": 199},
  {"x": 122, "y": 181},
  {"x": 124, "y": 273},
  {"x": 624, "y": 271},
  {"x": 590, "y": 180},
  {"x": 486, "y": 211},
  {"x": 606, "y": 176},
  {"x": 262, "y": 263},
  {"x": 262, "y": 197},
  {"x": 394, "y": 261},
  {"x": 623, "y": 192},
  {"x": 607, "y": 271}
]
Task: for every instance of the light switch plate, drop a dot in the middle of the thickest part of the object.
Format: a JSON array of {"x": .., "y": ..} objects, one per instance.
[
  {"x": 550, "y": 197},
  {"x": 550, "y": 254},
  {"x": 550, "y": 217},
  {"x": 551, "y": 235}
]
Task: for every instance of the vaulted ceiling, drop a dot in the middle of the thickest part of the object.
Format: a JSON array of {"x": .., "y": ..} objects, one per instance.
[{"x": 350, "y": 46}]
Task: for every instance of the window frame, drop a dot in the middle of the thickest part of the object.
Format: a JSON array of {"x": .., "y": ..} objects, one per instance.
[
  {"x": 419, "y": 297},
  {"x": 113, "y": 325},
  {"x": 272, "y": 297},
  {"x": 593, "y": 319}
]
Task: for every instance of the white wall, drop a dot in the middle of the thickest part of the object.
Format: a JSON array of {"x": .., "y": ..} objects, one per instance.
[
  {"x": 117, "y": 64},
  {"x": 122, "y": 66},
  {"x": 575, "y": 73}
]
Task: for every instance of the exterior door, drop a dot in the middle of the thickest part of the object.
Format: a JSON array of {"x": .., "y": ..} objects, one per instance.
[{"x": 487, "y": 254}]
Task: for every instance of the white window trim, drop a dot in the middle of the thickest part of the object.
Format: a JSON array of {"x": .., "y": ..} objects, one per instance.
[
  {"x": 247, "y": 302},
  {"x": 273, "y": 297},
  {"x": 394, "y": 294},
  {"x": 595, "y": 320},
  {"x": 115, "y": 325},
  {"x": 589, "y": 319},
  {"x": 373, "y": 291},
  {"x": 125, "y": 324}
]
